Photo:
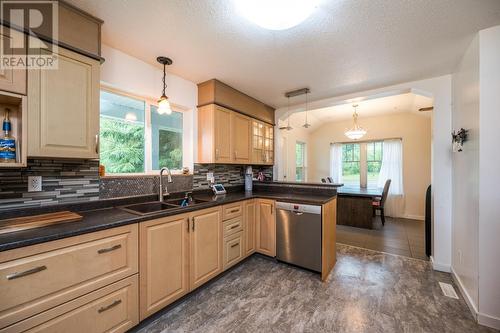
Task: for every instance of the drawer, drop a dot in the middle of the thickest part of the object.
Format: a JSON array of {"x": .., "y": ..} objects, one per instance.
[
  {"x": 232, "y": 210},
  {"x": 39, "y": 277},
  {"x": 233, "y": 250},
  {"x": 232, "y": 226},
  {"x": 113, "y": 308}
]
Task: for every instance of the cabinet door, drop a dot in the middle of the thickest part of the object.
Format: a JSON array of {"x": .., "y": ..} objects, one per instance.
[
  {"x": 268, "y": 144},
  {"x": 257, "y": 142},
  {"x": 240, "y": 137},
  {"x": 13, "y": 80},
  {"x": 266, "y": 228},
  {"x": 164, "y": 264},
  {"x": 250, "y": 212},
  {"x": 206, "y": 246},
  {"x": 63, "y": 108},
  {"x": 222, "y": 133}
]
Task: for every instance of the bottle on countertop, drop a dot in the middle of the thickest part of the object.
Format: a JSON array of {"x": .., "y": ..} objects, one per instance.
[{"x": 7, "y": 142}]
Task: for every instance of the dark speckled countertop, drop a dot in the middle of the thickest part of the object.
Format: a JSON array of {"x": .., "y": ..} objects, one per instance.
[{"x": 99, "y": 217}]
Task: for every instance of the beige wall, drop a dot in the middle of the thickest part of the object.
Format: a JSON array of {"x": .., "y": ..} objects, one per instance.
[
  {"x": 286, "y": 167},
  {"x": 415, "y": 130}
]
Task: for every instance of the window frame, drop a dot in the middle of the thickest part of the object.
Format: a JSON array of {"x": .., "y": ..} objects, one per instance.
[
  {"x": 363, "y": 159},
  {"x": 148, "y": 134},
  {"x": 304, "y": 161}
]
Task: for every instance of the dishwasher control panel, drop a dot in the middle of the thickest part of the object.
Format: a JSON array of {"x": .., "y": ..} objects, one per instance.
[{"x": 299, "y": 208}]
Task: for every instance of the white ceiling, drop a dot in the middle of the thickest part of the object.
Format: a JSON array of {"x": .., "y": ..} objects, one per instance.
[
  {"x": 403, "y": 103},
  {"x": 345, "y": 46}
]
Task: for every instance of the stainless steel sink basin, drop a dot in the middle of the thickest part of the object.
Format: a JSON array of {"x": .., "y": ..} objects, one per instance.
[{"x": 149, "y": 207}]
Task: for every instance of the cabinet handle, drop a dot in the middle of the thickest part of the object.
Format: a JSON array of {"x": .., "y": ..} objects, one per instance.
[
  {"x": 235, "y": 226},
  {"x": 28, "y": 272},
  {"x": 97, "y": 143},
  {"x": 107, "y": 307},
  {"x": 192, "y": 219},
  {"x": 235, "y": 244},
  {"x": 272, "y": 209},
  {"x": 234, "y": 210},
  {"x": 187, "y": 220},
  {"x": 109, "y": 249}
]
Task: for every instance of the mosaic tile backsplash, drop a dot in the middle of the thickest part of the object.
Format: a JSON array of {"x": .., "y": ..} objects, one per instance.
[
  {"x": 63, "y": 181},
  {"x": 71, "y": 181}
]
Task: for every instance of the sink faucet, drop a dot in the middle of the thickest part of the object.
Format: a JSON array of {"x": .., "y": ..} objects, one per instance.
[{"x": 169, "y": 180}]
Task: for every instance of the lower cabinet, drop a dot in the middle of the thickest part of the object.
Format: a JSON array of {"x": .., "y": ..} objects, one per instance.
[
  {"x": 178, "y": 254},
  {"x": 110, "y": 309},
  {"x": 266, "y": 227},
  {"x": 164, "y": 262},
  {"x": 250, "y": 226},
  {"x": 233, "y": 249}
]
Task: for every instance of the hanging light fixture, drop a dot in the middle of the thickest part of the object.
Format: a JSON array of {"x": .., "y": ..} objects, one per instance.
[
  {"x": 356, "y": 132},
  {"x": 163, "y": 103},
  {"x": 287, "y": 127},
  {"x": 306, "y": 124}
]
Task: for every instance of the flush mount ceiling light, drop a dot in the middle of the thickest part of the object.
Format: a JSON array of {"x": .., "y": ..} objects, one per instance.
[
  {"x": 163, "y": 103},
  {"x": 276, "y": 14},
  {"x": 356, "y": 132}
]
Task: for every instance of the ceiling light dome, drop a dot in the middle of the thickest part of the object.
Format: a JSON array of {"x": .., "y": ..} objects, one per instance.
[{"x": 276, "y": 14}]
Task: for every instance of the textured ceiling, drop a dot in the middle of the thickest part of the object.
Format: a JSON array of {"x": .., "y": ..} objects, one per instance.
[
  {"x": 343, "y": 47},
  {"x": 402, "y": 103}
]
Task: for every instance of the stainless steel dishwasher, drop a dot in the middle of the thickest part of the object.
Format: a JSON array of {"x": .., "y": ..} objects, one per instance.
[{"x": 298, "y": 235}]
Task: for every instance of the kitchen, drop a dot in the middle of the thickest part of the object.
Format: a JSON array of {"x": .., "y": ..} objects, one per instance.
[{"x": 129, "y": 193}]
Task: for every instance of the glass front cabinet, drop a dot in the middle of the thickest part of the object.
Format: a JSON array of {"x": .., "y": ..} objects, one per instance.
[{"x": 262, "y": 143}]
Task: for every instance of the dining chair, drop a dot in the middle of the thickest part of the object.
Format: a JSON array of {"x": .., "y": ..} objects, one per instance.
[{"x": 378, "y": 202}]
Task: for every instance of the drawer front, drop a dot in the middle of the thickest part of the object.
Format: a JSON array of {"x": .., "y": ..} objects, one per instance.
[
  {"x": 233, "y": 249},
  {"x": 113, "y": 308},
  {"x": 31, "y": 284},
  {"x": 232, "y": 211},
  {"x": 232, "y": 226}
]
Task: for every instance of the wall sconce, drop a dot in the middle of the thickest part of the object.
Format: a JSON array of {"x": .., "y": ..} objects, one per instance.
[{"x": 458, "y": 139}]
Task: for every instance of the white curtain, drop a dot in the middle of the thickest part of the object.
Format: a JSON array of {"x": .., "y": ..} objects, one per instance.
[
  {"x": 392, "y": 168},
  {"x": 336, "y": 162}
]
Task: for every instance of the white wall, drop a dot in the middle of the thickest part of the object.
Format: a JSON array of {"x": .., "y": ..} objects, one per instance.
[
  {"x": 489, "y": 177},
  {"x": 466, "y": 174},
  {"x": 129, "y": 74},
  {"x": 438, "y": 88},
  {"x": 415, "y": 132}
]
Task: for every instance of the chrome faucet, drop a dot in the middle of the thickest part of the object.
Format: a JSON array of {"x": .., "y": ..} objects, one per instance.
[{"x": 169, "y": 180}]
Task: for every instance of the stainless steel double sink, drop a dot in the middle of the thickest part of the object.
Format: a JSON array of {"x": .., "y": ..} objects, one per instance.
[{"x": 157, "y": 206}]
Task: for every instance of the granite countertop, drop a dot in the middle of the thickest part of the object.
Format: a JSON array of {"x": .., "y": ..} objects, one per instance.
[
  {"x": 112, "y": 216},
  {"x": 359, "y": 192}
]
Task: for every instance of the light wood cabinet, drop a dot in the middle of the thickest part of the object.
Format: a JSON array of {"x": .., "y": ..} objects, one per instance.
[
  {"x": 63, "y": 108},
  {"x": 262, "y": 143},
  {"x": 111, "y": 309},
  {"x": 36, "y": 278},
  {"x": 240, "y": 137},
  {"x": 230, "y": 211},
  {"x": 12, "y": 80},
  {"x": 226, "y": 136},
  {"x": 206, "y": 246},
  {"x": 234, "y": 250},
  {"x": 266, "y": 227},
  {"x": 250, "y": 226},
  {"x": 164, "y": 262}
]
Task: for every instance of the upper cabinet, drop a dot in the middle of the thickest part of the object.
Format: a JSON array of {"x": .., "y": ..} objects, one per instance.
[
  {"x": 63, "y": 108},
  {"x": 12, "y": 80},
  {"x": 233, "y": 127}
]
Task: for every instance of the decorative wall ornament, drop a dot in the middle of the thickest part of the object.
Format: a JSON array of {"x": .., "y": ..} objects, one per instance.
[{"x": 458, "y": 139}]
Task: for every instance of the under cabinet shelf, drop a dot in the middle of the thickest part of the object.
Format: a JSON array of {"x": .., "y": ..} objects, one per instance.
[{"x": 18, "y": 117}]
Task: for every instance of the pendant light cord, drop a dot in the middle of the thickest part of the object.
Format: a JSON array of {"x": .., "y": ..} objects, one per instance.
[{"x": 164, "y": 84}]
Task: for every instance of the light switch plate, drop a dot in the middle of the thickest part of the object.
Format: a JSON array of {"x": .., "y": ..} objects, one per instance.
[{"x": 34, "y": 183}]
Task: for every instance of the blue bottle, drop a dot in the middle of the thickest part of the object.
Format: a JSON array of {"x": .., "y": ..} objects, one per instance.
[{"x": 7, "y": 142}]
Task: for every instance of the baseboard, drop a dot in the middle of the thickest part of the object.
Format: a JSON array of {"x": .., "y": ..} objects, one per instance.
[
  {"x": 439, "y": 267},
  {"x": 414, "y": 217},
  {"x": 465, "y": 294},
  {"x": 481, "y": 318},
  {"x": 485, "y": 320}
]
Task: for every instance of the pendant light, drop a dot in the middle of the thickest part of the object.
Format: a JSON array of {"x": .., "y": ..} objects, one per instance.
[
  {"x": 356, "y": 132},
  {"x": 306, "y": 124},
  {"x": 163, "y": 103},
  {"x": 287, "y": 127}
]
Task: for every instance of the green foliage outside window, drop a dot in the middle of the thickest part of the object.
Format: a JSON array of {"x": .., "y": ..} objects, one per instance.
[{"x": 170, "y": 149}]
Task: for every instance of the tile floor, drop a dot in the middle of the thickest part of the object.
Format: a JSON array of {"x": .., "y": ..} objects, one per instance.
[
  {"x": 368, "y": 291},
  {"x": 399, "y": 236}
]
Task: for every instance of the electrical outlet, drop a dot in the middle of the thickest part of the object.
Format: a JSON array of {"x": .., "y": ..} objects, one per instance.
[
  {"x": 34, "y": 183},
  {"x": 210, "y": 175}
]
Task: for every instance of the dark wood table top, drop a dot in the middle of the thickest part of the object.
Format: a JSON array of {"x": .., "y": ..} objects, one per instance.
[{"x": 359, "y": 191}]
